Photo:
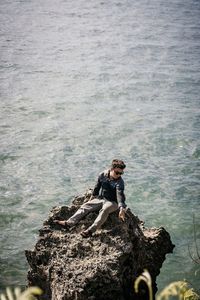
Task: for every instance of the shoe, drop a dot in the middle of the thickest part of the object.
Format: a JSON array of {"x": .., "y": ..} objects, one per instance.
[{"x": 86, "y": 233}]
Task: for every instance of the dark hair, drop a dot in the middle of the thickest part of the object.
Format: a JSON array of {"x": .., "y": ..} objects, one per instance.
[{"x": 117, "y": 163}]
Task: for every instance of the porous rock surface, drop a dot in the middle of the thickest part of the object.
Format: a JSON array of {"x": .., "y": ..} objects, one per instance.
[{"x": 67, "y": 266}]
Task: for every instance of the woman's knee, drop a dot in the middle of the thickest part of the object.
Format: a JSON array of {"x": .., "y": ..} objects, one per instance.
[
  {"x": 110, "y": 208},
  {"x": 87, "y": 207}
]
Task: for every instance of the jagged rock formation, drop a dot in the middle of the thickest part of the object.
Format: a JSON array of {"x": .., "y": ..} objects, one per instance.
[{"x": 67, "y": 266}]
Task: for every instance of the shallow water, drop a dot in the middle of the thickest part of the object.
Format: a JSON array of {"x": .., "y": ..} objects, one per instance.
[{"x": 82, "y": 83}]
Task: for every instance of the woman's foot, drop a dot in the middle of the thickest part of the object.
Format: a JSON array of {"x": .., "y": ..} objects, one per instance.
[
  {"x": 62, "y": 223},
  {"x": 86, "y": 233}
]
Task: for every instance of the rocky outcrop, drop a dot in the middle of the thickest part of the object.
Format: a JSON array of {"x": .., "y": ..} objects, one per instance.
[{"x": 67, "y": 266}]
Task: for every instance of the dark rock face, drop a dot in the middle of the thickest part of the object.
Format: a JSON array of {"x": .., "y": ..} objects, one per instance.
[{"x": 67, "y": 266}]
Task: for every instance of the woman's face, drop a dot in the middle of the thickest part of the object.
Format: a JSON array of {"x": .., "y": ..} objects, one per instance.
[{"x": 116, "y": 173}]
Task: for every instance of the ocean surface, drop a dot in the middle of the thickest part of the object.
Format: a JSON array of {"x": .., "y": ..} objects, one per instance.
[{"x": 83, "y": 82}]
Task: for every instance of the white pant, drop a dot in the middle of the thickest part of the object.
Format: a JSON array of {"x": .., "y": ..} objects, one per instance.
[{"x": 104, "y": 206}]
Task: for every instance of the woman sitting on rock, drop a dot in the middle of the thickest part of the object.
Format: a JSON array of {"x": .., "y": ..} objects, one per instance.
[{"x": 107, "y": 197}]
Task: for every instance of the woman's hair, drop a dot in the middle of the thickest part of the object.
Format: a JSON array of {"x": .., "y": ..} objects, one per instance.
[{"x": 117, "y": 163}]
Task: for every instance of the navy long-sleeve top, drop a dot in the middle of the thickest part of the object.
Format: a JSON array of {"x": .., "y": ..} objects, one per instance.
[{"x": 109, "y": 188}]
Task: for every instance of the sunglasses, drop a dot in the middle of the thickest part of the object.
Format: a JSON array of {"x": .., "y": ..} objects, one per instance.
[{"x": 118, "y": 173}]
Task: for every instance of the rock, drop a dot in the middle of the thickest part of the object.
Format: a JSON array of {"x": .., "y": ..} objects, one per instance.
[{"x": 67, "y": 266}]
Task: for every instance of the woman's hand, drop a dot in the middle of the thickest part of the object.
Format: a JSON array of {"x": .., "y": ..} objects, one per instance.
[{"x": 122, "y": 213}]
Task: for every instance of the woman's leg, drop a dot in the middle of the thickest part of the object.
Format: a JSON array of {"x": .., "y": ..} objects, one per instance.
[
  {"x": 92, "y": 205},
  {"x": 107, "y": 208}
]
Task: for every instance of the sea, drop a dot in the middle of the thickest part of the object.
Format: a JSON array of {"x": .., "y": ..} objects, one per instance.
[{"x": 83, "y": 82}]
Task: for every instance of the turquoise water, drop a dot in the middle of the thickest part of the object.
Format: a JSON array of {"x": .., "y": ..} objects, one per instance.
[{"x": 83, "y": 83}]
